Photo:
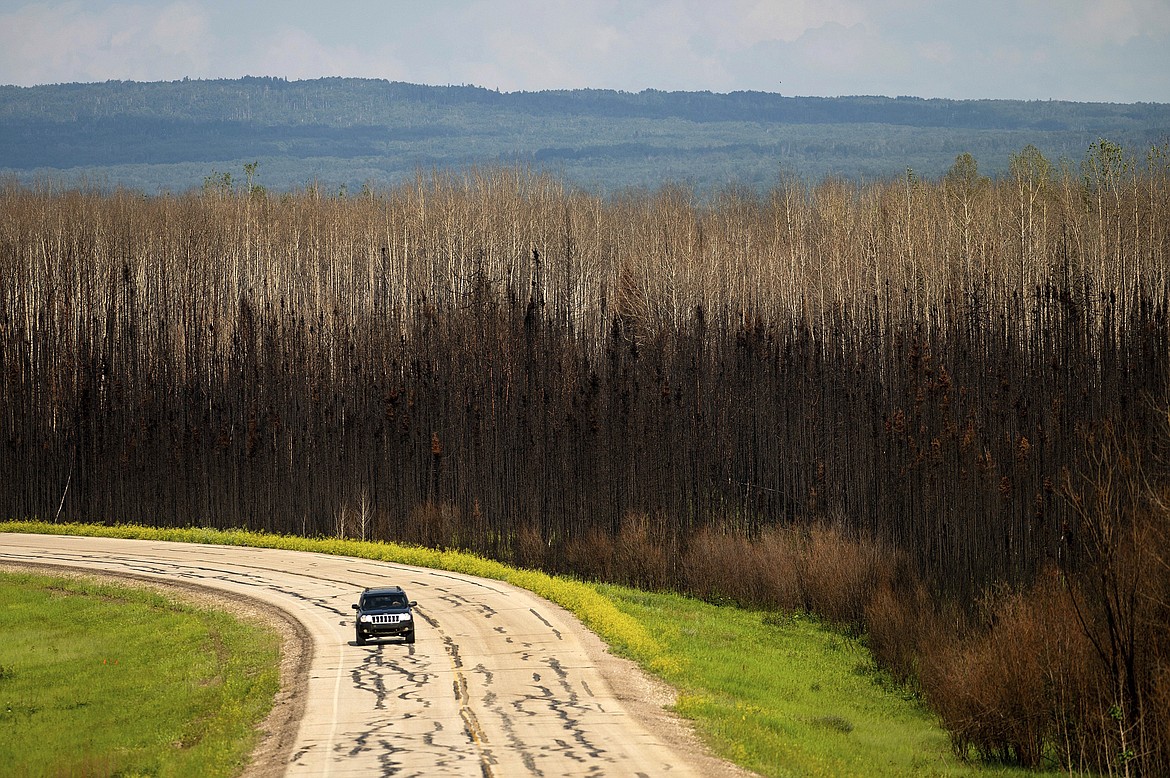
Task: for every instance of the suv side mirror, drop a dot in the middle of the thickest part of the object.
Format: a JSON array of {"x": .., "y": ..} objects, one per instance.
[
  {"x": 354, "y": 606},
  {"x": 413, "y": 604}
]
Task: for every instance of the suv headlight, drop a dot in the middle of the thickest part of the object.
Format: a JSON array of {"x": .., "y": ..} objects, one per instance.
[{"x": 404, "y": 617}]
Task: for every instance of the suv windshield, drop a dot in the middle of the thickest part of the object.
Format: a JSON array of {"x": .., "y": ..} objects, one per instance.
[{"x": 384, "y": 602}]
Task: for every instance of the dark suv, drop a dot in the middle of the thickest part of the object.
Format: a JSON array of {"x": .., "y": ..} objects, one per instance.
[{"x": 383, "y": 612}]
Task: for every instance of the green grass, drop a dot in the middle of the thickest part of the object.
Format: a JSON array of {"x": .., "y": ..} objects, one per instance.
[
  {"x": 785, "y": 695},
  {"x": 781, "y": 695},
  {"x": 99, "y": 679}
]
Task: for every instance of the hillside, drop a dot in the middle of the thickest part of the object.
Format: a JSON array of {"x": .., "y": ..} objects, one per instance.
[{"x": 350, "y": 132}]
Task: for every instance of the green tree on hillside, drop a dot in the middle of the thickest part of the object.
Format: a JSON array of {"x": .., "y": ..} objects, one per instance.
[{"x": 963, "y": 185}]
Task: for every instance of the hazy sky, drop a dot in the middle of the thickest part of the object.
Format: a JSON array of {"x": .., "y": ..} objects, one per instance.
[{"x": 1109, "y": 50}]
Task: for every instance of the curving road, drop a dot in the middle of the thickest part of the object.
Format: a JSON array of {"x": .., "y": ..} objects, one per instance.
[{"x": 499, "y": 682}]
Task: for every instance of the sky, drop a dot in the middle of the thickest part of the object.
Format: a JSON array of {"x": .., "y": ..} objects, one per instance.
[{"x": 1084, "y": 50}]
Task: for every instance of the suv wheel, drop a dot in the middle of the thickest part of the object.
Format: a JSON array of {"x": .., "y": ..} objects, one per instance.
[
  {"x": 410, "y": 636},
  {"x": 359, "y": 636}
]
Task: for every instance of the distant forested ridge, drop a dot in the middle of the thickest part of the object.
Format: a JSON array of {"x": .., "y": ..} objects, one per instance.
[{"x": 351, "y": 132}]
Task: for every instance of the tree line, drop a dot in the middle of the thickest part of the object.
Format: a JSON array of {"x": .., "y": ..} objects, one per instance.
[
  {"x": 148, "y": 135},
  {"x": 342, "y": 102}
]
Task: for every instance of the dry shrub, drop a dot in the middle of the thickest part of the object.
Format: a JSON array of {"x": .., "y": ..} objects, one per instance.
[
  {"x": 775, "y": 558},
  {"x": 839, "y": 574},
  {"x": 643, "y": 553},
  {"x": 705, "y": 566},
  {"x": 591, "y": 556},
  {"x": 1122, "y": 588},
  {"x": 1076, "y": 668},
  {"x": 433, "y": 525},
  {"x": 722, "y": 566},
  {"x": 900, "y": 621},
  {"x": 822, "y": 570},
  {"x": 1016, "y": 686},
  {"x": 529, "y": 549}
]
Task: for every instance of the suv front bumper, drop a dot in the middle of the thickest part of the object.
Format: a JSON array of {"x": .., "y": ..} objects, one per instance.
[{"x": 380, "y": 626}]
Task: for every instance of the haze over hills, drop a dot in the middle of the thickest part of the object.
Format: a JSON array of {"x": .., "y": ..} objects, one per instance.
[{"x": 348, "y": 133}]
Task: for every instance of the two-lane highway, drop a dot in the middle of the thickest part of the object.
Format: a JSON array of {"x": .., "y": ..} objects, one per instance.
[{"x": 499, "y": 682}]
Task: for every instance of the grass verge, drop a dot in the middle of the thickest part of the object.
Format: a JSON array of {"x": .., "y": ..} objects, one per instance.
[
  {"x": 101, "y": 679},
  {"x": 785, "y": 695},
  {"x": 782, "y": 695}
]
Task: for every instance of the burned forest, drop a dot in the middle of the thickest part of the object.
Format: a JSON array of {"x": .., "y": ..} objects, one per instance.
[{"x": 920, "y": 407}]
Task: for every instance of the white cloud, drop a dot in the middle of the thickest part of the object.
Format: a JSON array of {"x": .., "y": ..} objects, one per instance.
[
  {"x": 294, "y": 53},
  {"x": 946, "y": 48},
  {"x": 72, "y": 42},
  {"x": 1093, "y": 23},
  {"x": 940, "y": 52},
  {"x": 748, "y": 22},
  {"x": 178, "y": 28}
]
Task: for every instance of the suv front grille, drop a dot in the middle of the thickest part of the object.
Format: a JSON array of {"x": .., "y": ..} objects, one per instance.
[{"x": 385, "y": 618}]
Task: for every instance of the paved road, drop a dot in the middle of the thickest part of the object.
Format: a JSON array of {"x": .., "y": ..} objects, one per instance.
[{"x": 499, "y": 682}]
